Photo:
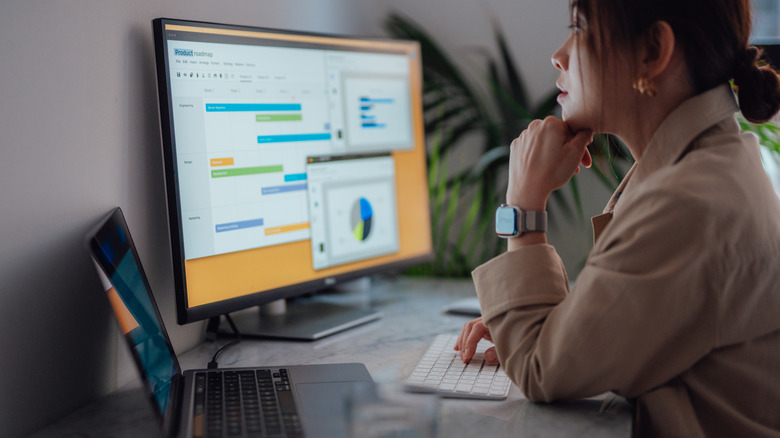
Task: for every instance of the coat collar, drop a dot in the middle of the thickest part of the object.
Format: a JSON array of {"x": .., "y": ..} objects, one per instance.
[
  {"x": 673, "y": 137},
  {"x": 671, "y": 141}
]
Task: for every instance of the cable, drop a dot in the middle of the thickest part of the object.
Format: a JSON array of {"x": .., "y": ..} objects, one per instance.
[{"x": 213, "y": 364}]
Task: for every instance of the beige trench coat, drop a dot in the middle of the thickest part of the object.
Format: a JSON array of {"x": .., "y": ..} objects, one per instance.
[{"x": 678, "y": 305}]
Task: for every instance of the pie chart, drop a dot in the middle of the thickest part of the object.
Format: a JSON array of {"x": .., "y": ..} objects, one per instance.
[{"x": 361, "y": 219}]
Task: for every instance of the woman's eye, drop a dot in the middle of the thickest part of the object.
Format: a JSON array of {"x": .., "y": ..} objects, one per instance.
[{"x": 574, "y": 28}]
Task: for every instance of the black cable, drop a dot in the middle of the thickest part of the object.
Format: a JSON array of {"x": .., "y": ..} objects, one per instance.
[{"x": 213, "y": 364}]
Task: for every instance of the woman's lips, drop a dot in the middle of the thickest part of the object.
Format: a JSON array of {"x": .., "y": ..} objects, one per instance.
[{"x": 563, "y": 94}]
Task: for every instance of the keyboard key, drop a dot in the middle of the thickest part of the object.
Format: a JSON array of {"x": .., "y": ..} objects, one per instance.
[{"x": 463, "y": 387}]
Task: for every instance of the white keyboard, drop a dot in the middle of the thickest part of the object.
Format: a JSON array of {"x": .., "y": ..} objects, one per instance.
[{"x": 440, "y": 370}]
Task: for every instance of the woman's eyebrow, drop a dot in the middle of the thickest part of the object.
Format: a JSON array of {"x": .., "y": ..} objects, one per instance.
[{"x": 576, "y": 14}]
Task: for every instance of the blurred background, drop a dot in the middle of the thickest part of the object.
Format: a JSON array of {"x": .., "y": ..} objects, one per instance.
[{"x": 79, "y": 134}]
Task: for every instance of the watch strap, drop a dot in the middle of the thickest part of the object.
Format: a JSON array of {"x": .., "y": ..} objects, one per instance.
[{"x": 532, "y": 221}]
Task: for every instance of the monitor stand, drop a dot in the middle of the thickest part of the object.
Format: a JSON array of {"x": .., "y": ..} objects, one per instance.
[{"x": 306, "y": 319}]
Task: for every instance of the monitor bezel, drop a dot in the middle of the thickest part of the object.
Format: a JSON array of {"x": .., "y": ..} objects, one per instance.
[{"x": 184, "y": 313}]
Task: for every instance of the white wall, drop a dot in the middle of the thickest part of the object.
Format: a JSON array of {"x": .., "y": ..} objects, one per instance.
[{"x": 79, "y": 135}]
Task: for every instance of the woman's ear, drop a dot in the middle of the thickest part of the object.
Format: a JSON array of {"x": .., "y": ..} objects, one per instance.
[{"x": 659, "y": 47}]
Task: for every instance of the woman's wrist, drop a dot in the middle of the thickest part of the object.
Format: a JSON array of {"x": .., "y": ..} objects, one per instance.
[
  {"x": 528, "y": 201},
  {"x": 514, "y": 243}
]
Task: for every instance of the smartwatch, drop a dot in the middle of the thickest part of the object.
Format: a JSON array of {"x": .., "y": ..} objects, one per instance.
[{"x": 512, "y": 222}]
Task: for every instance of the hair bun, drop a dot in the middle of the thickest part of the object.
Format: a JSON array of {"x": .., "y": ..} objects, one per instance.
[
  {"x": 759, "y": 86},
  {"x": 749, "y": 59}
]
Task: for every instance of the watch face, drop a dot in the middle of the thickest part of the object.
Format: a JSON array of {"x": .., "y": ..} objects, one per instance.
[{"x": 506, "y": 221}]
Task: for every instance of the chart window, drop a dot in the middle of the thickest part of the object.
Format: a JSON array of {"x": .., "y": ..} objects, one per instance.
[{"x": 352, "y": 206}]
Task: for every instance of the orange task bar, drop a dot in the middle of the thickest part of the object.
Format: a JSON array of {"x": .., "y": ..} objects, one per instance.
[
  {"x": 221, "y": 162},
  {"x": 286, "y": 228}
]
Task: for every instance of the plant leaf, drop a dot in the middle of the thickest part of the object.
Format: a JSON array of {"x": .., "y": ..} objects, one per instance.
[{"x": 513, "y": 78}]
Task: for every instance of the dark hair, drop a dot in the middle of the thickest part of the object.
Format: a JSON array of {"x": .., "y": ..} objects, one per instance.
[{"x": 713, "y": 35}]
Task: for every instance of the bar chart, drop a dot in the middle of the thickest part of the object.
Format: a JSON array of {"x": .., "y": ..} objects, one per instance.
[
  {"x": 369, "y": 115},
  {"x": 377, "y": 111}
]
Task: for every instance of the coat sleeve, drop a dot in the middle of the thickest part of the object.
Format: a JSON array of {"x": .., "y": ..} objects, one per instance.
[{"x": 641, "y": 311}]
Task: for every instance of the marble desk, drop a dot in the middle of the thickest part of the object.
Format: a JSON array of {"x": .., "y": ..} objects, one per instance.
[{"x": 390, "y": 348}]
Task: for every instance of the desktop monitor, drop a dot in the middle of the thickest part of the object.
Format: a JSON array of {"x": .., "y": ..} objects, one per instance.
[{"x": 293, "y": 161}]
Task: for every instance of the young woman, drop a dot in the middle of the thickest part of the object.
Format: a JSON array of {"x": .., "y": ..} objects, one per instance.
[{"x": 678, "y": 305}]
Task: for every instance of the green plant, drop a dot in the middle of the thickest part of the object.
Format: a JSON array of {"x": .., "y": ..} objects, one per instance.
[
  {"x": 462, "y": 119},
  {"x": 768, "y": 133}
]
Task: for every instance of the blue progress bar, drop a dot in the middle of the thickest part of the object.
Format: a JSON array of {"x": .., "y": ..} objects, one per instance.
[
  {"x": 295, "y": 177},
  {"x": 225, "y": 107},
  {"x": 369, "y": 100},
  {"x": 373, "y": 125},
  {"x": 230, "y": 226},
  {"x": 282, "y": 189},
  {"x": 292, "y": 137}
]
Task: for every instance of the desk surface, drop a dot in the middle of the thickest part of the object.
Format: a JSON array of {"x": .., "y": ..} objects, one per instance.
[{"x": 390, "y": 348}]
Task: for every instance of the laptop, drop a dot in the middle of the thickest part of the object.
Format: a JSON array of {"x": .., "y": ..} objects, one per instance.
[{"x": 285, "y": 400}]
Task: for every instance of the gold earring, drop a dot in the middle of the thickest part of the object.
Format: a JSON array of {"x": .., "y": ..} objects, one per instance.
[{"x": 645, "y": 86}]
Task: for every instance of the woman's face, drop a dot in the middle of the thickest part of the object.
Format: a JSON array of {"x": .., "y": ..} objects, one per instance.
[{"x": 593, "y": 91}]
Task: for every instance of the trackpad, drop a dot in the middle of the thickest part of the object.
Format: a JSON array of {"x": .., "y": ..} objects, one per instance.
[{"x": 323, "y": 407}]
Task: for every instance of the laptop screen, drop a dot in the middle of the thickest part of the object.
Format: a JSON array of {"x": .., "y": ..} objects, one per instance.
[{"x": 128, "y": 292}]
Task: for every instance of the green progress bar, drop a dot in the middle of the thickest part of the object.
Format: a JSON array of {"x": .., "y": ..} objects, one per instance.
[
  {"x": 241, "y": 171},
  {"x": 278, "y": 117}
]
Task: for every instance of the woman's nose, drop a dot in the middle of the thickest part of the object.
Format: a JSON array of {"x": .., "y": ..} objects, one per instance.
[{"x": 560, "y": 58}]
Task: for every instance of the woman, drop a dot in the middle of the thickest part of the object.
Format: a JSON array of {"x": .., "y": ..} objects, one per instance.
[{"x": 678, "y": 305}]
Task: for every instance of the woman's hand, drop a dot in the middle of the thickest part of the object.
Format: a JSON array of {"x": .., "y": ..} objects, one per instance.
[
  {"x": 470, "y": 335},
  {"x": 545, "y": 156}
]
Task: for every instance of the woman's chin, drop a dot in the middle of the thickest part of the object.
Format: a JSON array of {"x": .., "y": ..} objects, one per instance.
[{"x": 576, "y": 124}]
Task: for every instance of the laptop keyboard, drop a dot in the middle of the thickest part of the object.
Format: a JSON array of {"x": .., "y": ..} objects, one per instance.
[
  {"x": 245, "y": 403},
  {"x": 441, "y": 370}
]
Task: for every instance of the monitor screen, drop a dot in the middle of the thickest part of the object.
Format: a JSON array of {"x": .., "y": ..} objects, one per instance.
[{"x": 292, "y": 161}]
